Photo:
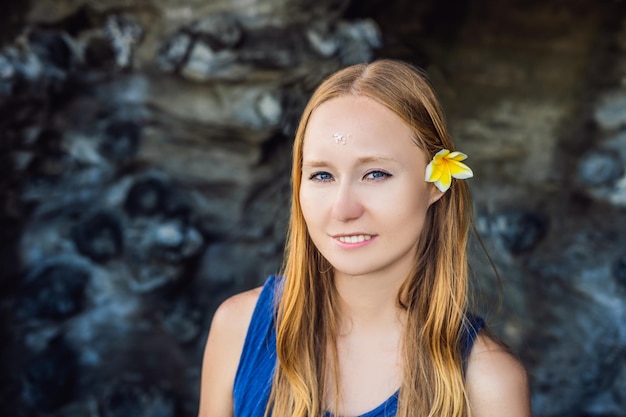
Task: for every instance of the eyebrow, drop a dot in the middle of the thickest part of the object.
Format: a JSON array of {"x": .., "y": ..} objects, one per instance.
[{"x": 360, "y": 161}]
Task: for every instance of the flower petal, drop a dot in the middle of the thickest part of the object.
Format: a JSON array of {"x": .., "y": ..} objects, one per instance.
[
  {"x": 459, "y": 170},
  {"x": 429, "y": 172},
  {"x": 440, "y": 155},
  {"x": 444, "y": 182},
  {"x": 457, "y": 156},
  {"x": 438, "y": 171}
]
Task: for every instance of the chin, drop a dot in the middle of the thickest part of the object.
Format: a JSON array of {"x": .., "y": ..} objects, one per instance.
[{"x": 352, "y": 270}]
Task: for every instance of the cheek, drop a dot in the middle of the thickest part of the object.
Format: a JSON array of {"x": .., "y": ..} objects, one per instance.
[
  {"x": 418, "y": 207},
  {"x": 412, "y": 196},
  {"x": 309, "y": 205}
]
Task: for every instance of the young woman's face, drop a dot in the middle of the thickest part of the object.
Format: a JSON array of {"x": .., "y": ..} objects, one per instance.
[{"x": 363, "y": 193}]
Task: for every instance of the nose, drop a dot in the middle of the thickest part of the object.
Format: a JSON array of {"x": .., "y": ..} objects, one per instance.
[{"x": 347, "y": 204}]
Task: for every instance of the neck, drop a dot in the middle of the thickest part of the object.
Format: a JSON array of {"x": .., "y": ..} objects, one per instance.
[{"x": 368, "y": 300}]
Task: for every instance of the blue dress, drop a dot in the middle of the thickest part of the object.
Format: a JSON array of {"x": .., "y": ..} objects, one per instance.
[{"x": 255, "y": 372}]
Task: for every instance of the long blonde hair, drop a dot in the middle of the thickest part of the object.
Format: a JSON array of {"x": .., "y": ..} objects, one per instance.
[{"x": 433, "y": 296}]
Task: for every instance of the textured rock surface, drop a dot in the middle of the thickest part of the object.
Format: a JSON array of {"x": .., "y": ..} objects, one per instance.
[{"x": 144, "y": 165}]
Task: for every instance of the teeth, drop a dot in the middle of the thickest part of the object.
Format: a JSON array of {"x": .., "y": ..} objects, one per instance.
[{"x": 354, "y": 239}]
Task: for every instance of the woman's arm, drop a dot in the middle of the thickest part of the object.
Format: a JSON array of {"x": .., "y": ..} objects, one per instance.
[
  {"x": 221, "y": 355},
  {"x": 497, "y": 383}
]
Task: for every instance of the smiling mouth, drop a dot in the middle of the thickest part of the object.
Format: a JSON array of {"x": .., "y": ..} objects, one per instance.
[{"x": 353, "y": 239}]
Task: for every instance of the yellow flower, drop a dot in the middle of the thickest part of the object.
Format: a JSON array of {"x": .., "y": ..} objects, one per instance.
[{"x": 444, "y": 166}]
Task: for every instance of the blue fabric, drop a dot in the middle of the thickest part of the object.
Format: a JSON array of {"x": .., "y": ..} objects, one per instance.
[
  {"x": 253, "y": 379},
  {"x": 254, "y": 375}
]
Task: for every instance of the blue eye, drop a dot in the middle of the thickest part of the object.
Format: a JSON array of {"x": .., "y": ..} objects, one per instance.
[
  {"x": 377, "y": 175},
  {"x": 321, "y": 177}
]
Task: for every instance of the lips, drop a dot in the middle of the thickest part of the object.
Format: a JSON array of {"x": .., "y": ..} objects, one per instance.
[{"x": 360, "y": 238}]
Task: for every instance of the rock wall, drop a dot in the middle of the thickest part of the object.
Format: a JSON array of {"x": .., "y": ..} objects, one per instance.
[{"x": 145, "y": 177}]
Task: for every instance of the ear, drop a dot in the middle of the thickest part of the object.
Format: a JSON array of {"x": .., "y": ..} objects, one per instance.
[{"x": 434, "y": 194}]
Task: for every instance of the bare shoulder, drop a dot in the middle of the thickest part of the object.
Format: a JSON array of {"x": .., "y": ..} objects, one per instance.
[
  {"x": 223, "y": 349},
  {"x": 231, "y": 320},
  {"x": 497, "y": 382},
  {"x": 236, "y": 311}
]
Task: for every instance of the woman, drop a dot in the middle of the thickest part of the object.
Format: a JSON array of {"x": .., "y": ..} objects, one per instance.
[{"x": 370, "y": 317}]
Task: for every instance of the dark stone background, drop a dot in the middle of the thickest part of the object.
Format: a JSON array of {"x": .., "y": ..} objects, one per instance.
[{"x": 144, "y": 177}]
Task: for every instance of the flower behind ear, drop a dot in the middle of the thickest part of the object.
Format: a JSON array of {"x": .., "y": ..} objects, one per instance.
[{"x": 444, "y": 166}]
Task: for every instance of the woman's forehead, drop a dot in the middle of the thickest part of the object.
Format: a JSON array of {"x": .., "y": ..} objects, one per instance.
[{"x": 346, "y": 116}]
